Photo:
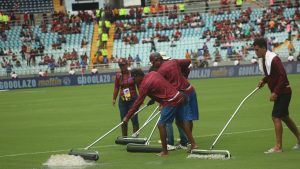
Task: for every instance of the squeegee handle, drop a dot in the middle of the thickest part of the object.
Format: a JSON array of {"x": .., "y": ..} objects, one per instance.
[
  {"x": 148, "y": 140},
  {"x": 112, "y": 129},
  {"x": 150, "y": 118},
  {"x": 104, "y": 135},
  {"x": 232, "y": 116}
]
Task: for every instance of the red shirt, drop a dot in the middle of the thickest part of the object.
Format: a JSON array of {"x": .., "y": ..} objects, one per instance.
[
  {"x": 277, "y": 80},
  {"x": 123, "y": 81},
  {"x": 176, "y": 72},
  {"x": 157, "y": 88}
]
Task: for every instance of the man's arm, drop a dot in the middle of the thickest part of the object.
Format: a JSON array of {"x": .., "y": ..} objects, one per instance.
[
  {"x": 184, "y": 63},
  {"x": 185, "y": 66},
  {"x": 262, "y": 82},
  {"x": 116, "y": 89},
  {"x": 278, "y": 66}
]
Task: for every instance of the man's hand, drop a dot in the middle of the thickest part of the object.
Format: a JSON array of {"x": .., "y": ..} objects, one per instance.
[
  {"x": 113, "y": 102},
  {"x": 273, "y": 97},
  {"x": 125, "y": 119},
  {"x": 150, "y": 102},
  {"x": 261, "y": 84}
]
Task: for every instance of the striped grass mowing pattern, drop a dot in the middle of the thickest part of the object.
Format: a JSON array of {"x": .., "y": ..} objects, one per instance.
[{"x": 38, "y": 123}]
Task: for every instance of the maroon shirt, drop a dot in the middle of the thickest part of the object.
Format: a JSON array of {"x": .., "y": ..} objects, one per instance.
[
  {"x": 157, "y": 88},
  {"x": 123, "y": 81},
  {"x": 176, "y": 72},
  {"x": 277, "y": 80}
]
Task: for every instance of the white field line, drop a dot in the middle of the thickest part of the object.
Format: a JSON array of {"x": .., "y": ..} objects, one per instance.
[
  {"x": 105, "y": 146},
  {"x": 238, "y": 132},
  {"x": 46, "y": 152}
]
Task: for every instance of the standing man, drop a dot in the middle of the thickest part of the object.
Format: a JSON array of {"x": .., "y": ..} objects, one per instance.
[
  {"x": 206, "y": 6},
  {"x": 153, "y": 48},
  {"x": 8, "y": 67},
  {"x": 31, "y": 17},
  {"x": 281, "y": 93},
  {"x": 161, "y": 91},
  {"x": 126, "y": 88}
]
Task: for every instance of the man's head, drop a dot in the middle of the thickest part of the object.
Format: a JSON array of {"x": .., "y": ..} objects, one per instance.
[
  {"x": 138, "y": 75},
  {"x": 155, "y": 56},
  {"x": 260, "y": 46},
  {"x": 123, "y": 64},
  {"x": 156, "y": 59}
]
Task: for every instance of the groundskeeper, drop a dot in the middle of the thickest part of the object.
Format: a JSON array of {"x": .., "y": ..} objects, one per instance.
[
  {"x": 176, "y": 72},
  {"x": 158, "y": 89},
  {"x": 275, "y": 76}
]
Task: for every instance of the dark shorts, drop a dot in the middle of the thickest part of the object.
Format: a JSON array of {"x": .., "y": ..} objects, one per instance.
[
  {"x": 167, "y": 114},
  {"x": 189, "y": 111},
  {"x": 281, "y": 105},
  {"x": 124, "y": 107}
]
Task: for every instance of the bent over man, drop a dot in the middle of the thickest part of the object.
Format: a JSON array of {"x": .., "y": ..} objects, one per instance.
[
  {"x": 176, "y": 72},
  {"x": 160, "y": 90}
]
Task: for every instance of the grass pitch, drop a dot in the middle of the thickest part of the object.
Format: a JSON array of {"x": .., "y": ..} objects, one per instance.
[{"x": 38, "y": 123}]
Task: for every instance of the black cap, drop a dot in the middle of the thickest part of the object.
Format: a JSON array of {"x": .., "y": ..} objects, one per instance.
[{"x": 155, "y": 56}]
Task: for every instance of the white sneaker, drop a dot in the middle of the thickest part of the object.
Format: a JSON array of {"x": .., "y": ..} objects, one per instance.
[
  {"x": 180, "y": 146},
  {"x": 272, "y": 150},
  {"x": 171, "y": 147},
  {"x": 296, "y": 147}
]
